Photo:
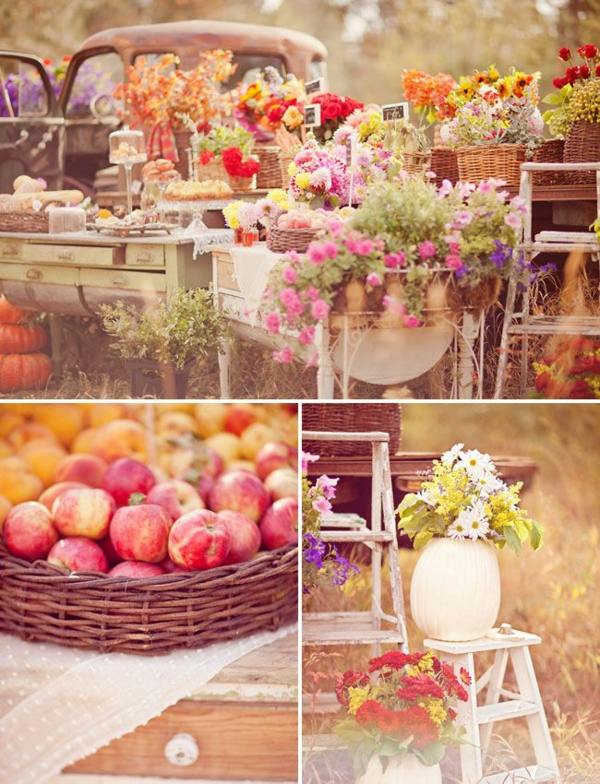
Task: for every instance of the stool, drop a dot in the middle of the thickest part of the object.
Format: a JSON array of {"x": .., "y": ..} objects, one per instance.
[{"x": 478, "y": 720}]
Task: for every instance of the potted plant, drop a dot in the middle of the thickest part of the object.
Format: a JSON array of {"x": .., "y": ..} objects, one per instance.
[
  {"x": 162, "y": 342},
  {"x": 400, "y": 717},
  {"x": 460, "y": 518}
]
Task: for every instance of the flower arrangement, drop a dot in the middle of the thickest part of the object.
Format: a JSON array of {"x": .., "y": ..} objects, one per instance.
[
  {"x": 269, "y": 103},
  {"x": 160, "y": 93},
  {"x": 220, "y": 138},
  {"x": 321, "y": 560},
  {"x": 236, "y": 166},
  {"x": 577, "y": 91},
  {"x": 571, "y": 370},
  {"x": 466, "y": 499},
  {"x": 403, "y": 703},
  {"x": 320, "y": 176},
  {"x": 335, "y": 110},
  {"x": 428, "y": 94},
  {"x": 247, "y": 215},
  {"x": 367, "y": 123}
]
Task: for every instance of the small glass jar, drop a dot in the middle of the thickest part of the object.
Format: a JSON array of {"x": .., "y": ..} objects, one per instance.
[
  {"x": 249, "y": 237},
  {"x": 62, "y": 220},
  {"x": 127, "y": 147}
]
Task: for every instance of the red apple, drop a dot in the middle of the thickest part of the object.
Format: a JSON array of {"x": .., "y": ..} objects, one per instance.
[
  {"x": 87, "y": 469},
  {"x": 29, "y": 532},
  {"x": 199, "y": 541},
  {"x": 239, "y": 416},
  {"x": 275, "y": 454},
  {"x": 78, "y": 554},
  {"x": 126, "y": 477},
  {"x": 136, "y": 569},
  {"x": 240, "y": 491},
  {"x": 279, "y": 526},
  {"x": 245, "y": 536},
  {"x": 140, "y": 533},
  {"x": 83, "y": 512},
  {"x": 282, "y": 483},
  {"x": 176, "y": 497},
  {"x": 205, "y": 485},
  {"x": 172, "y": 568},
  {"x": 49, "y": 496}
]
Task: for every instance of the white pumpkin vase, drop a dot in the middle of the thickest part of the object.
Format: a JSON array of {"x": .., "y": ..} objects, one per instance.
[
  {"x": 455, "y": 589},
  {"x": 405, "y": 769}
]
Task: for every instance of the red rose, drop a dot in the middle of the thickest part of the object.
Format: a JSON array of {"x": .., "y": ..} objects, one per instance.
[
  {"x": 332, "y": 110},
  {"x": 588, "y": 52},
  {"x": 584, "y": 72},
  {"x": 560, "y": 82},
  {"x": 564, "y": 54},
  {"x": 572, "y": 74},
  {"x": 580, "y": 390}
]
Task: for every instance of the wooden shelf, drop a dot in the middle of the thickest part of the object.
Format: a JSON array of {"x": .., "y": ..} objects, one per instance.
[{"x": 503, "y": 711}]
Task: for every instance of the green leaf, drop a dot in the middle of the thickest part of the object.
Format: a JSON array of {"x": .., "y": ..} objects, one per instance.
[
  {"x": 408, "y": 502},
  {"x": 536, "y": 536},
  {"x": 512, "y": 538},
  {"x": 433, "y": 754},
  {"x": 422, "y": 538}
]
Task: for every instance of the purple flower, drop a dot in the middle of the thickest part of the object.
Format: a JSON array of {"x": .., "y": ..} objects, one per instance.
[
  {"x": 315, "y": 550},
  {"x": 501, "y": 255},
  {"x": 342, "y": 569}
]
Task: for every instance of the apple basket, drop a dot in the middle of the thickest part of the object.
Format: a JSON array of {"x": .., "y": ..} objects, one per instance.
[{"x": 151, "y": 615}]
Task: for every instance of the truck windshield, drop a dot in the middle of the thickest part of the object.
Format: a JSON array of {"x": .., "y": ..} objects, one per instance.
[{"x": 22, "y": 90}]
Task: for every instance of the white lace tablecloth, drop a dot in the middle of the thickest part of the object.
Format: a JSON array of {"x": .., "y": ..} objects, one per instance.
[
  {"x": 59, "y": 705},
  {"x": 252, "y": 267}
]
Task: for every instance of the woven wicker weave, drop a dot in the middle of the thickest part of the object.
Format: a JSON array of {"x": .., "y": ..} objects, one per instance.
[
  {"x": 149, "y": 615},
  {"x": 550, "y": 151},
  {"x": 445, "y": 164},
  {"x": 282, "y": 240},
  {"x": 582, "y": 145},
  {"x": 416, "y": 163},
  {"x": 34, "y": 222},
  {"x": 501, "y": 161},
  {"x": 270, "y": 174},
  {"x": 350, "y": 418}
]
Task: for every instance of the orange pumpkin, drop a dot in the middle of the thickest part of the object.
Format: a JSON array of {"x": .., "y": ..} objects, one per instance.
[
  {"x": 18, "y": 339},
  {"x": 24, "y": 371},
  {"x": 9, "y": 313}
]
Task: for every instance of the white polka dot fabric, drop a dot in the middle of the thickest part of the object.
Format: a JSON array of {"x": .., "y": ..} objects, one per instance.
[{"x": 58, "y": 705}]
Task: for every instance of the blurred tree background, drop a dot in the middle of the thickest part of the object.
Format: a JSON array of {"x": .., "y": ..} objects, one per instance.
[{"x": 369, "y": 41}]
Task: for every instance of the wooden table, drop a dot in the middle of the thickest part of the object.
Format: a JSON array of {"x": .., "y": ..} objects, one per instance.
[
  {"x": 244, "y": 721},
  {"x": 73, "y": 274}
]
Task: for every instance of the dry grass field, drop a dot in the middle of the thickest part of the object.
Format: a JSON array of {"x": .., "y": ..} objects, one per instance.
[{"x": 555, "y": 592}]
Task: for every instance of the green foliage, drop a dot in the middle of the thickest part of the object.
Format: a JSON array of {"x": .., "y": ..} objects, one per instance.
[{"x": 189, "y": 327}]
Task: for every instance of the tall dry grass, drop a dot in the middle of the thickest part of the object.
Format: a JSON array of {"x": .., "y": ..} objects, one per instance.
[{"x": 554, "y": 593}]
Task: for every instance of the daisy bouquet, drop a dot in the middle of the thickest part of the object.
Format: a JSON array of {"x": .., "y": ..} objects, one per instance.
[
  {"x": 466, "y": 499},
  {"x": 401, "y": 704},
  {"x": 321, "y": 560}
]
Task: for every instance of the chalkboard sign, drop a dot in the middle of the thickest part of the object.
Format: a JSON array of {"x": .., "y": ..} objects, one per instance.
[
  {"x": 394, "y": 111},
  {"x": 312, "y": 115},
  {"x": 315, "y": 86}
]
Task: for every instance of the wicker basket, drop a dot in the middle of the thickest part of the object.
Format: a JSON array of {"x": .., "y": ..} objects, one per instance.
[
  {"x": 350, "y": 418},
  {"x": 150, "y": 615},
  {"x": 282, "y": 240},
  {"x": 582, "y": 145},
  {"x": 29, "y": 222},
  {"x": 286, "y": 159},
  {"x": 501, "y": 161},
  {"x": 416, "y": 163},
  {"x": 550, "y": 151},
  {"x": 270, "y": 174},
  {"x": 445, "y": 164}
]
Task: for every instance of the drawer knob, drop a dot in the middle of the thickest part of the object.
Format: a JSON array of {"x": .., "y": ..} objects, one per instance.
[
  {"x": 66, "y": 255},
  {"x": 119, "y": 281},
  {"x": 182, "y": 750},
  {"x": 33, "y": 274}
]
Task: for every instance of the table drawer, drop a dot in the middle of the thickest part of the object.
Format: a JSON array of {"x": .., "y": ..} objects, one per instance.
[
  {"x": 38, "y": 273},
  {"x": 83, "y": 255},
  {"x": 226, "y": 273},
  {"x": 11, "y": 249},
  {"x": 123, "y": 279},
  {"x": 235, "y": 742},
  {"x": 142, "y": 255},
  {"x": 234, "y": 307}
]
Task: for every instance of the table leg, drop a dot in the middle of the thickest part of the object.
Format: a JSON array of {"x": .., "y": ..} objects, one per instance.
[
  {"x": 466, "y": 365},
  {"x": 56, "y": 342},
  {"x": 325, "y": 374},
  {"x": 225, "y": 370}
]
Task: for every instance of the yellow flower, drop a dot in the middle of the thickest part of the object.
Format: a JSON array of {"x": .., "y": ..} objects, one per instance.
[
  {"x": 292, "y": 168},
  {"x": 357, "y": 695},
  {"x": 292, "y": 117},
  {"x": 230, "y": 213},
  {"x": 493, "y": 73},
  {"x": 437, "y": 712},
  {"x": 303, "y": 180}
]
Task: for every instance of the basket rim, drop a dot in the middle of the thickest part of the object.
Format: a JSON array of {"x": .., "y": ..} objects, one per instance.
[
  {"x": 497, "y": 146},
  {"x": 43, "y": 569}
]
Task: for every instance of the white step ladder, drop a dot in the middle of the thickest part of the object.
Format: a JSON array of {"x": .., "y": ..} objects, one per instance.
[
  {"x": 478, "y": 720},
  {"x": 368, "y": 627}
]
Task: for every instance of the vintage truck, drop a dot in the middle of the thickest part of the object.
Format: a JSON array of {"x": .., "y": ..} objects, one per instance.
[{"x": 63, "y": 135}]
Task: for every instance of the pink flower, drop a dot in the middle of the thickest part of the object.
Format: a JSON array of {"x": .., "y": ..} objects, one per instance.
[
  {"x": 322, "y": 506},
  {"x": 364, "y": 247},
  {"x": 519, "y": 205},
  {"x": 462, "y": 219},
  {"x": 288, "y": 296},
  {"x": 427, "y": 250},
  {"x": 319, "y": 309},
  {"x": 285, "y": 356},
  {"x": 394, "y": 306},
  {"x": 454, "y": 262},
  {"x": 289, "y": 274},
  {"x": 273, "y": 322},
  {"x": 316, "y": 253},
  {"x": 330, "y": 249},
  {"x": 373, "y": 279},
  {"x": 306, "y": 336},
  {"x": 327, "y": 485},
  {"x": 513, "y": 219},
  {"x": 293, "y": 256},
  {"x": 306, "y": 458},
  {"x": 486, "y": 186},
  {"x": 313, "y": 293},
  {"x": 395, "y": 260},
  {"x": 445, "y": 188},
  {"x": 352, "y": 245},
  {"x": 411, "y": 321}
]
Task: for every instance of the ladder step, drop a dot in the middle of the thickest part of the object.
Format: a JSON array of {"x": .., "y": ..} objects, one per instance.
[
  {"x": 521, "y": 776},
  {"x": 342, "y": 520},
  {"x": 325, "y": 742},
  {"x": 350, "y": 636},
  {"x": 502, "y": 711},
  {"x": 357, "y": 536}
]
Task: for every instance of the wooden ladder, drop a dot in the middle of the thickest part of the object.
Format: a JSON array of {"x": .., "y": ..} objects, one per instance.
[{"x": 478, "y": 720}]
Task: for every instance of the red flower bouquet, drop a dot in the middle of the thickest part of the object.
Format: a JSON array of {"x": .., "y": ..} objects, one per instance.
[
  {"x": 571, "y": 370},
  {"x": 236, "y": 166},
  {"x": 404, "y": 704},
  {"x": 335, "y": 109}
]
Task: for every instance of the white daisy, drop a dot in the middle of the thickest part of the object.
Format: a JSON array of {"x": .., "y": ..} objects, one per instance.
[
  {"x": 457, "y": 530},
  {"x": 426, "y": 496},
  {"x": 476, "y": 464},
  {"x": 451, "y": 456},
  {"x": 488, "y": 484},
  {"x": 478, "y": 525}
]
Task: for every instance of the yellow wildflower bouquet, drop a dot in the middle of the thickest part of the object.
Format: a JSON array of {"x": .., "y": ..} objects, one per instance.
[{"x": 466, "y": 499}]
